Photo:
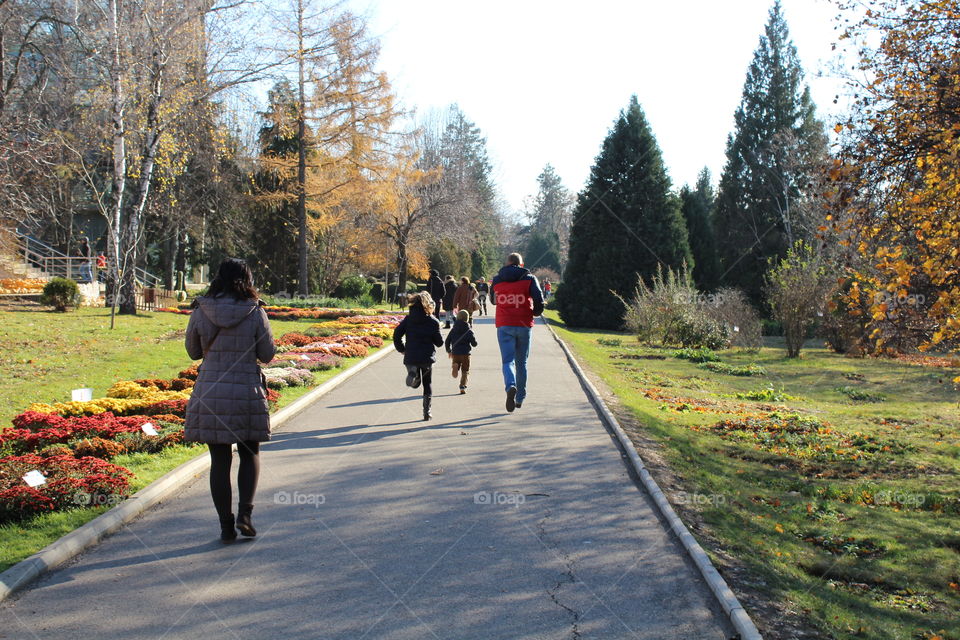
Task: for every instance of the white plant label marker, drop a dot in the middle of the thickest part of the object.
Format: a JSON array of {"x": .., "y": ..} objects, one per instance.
[
  {"x": 82, "y": 395},
  {"x": 34, "y": 478},
  {"x": 149, "y": 429}
]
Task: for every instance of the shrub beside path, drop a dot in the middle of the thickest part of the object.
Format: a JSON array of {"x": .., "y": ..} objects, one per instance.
[{"x": 375, "y": 524}]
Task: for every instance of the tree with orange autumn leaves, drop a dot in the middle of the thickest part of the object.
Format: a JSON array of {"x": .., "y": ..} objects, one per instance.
[
  {"x": 326, "y": 150},
  {"x": 897, "y": 180}
]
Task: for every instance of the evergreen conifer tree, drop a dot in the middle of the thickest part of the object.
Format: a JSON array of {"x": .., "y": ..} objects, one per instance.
[
  {"x": 697, "y": 207},
  {"x": 626, "y": 224},
  {"x": 776, "y": 148}
]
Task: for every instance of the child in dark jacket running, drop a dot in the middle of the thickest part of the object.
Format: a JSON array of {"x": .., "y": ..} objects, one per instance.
[
  {"x": 459, "y": 342},
  {"x": 419, "y": 353}
]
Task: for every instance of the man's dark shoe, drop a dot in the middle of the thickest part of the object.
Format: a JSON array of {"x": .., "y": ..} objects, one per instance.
[
  {"x": 416, "y": 381},
  {"x": 519, "y": 404},
  {"x": 511, "y": 399},
  {"x": 411, "y": 378}
]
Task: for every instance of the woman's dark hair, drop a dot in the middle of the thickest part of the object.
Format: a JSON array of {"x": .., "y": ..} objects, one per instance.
[{"x": 233, "y": 278}]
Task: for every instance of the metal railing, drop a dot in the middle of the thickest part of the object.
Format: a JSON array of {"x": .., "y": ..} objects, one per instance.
[{"x": 55, "y": 263}]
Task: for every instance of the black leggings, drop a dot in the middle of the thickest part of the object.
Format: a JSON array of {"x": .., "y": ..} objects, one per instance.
[
  {"x": 221, "y": 457},
  {"x": 425, "y": 371}
]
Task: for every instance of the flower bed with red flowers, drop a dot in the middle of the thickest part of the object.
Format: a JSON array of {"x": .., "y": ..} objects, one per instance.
[
  {"x": 190, "y": 373},
  {"x": 291, "y": 340},
  {"x": 69, "y": 482},
  {"x": 294, "y": 339},
  {"x": 70, "y": 443},
  {"x": 33, "y": 431}
]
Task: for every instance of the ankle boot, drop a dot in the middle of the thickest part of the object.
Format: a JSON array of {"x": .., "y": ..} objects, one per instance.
[
  {"x": 228, "y": 532},
  {"x": 426, "y": 408},
  {"x": 244, "y": 524}
]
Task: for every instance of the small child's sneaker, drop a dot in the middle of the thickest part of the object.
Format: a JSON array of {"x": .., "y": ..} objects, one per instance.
[{"x": 463, "y": 390}]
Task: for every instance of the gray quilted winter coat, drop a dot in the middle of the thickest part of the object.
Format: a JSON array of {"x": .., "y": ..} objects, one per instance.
[{"x": 229, "y": 402}]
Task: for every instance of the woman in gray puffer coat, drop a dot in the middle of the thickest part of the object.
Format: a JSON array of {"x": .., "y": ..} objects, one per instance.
[{"x": 230, "y": 331}]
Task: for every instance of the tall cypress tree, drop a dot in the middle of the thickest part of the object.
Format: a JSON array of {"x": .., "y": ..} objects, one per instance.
[
  {"x": 697, "y": 207},
  {"x": 626, "y": 224},
  {"x": 550, "y": 217},
  {"x": 772, "y": 155}
]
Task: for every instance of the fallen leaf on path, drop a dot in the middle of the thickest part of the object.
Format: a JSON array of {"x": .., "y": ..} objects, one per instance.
[{"x": 437, "y": 472}]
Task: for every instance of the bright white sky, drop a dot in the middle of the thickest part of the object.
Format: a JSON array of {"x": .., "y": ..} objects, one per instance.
[{"x": 544, "y": 80}]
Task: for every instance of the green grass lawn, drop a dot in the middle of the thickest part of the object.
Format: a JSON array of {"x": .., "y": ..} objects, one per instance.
[
  {"x": 832, "y": 480},
  {"x": 51, "y": 353}
]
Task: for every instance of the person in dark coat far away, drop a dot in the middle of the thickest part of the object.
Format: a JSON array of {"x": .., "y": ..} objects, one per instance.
[
  {"x": 422, "y": 332},
  {"x": 229, "y": 329},
  {"x": 435, "y": 289},
  {"x": 449, "y": 293}
]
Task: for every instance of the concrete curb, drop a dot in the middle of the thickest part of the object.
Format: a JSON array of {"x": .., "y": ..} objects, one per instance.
[
  {"x": 21, "y": 574},
  {"x": 728, "y": 601}
]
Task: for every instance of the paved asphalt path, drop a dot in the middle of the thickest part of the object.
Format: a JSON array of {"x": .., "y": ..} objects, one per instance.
[{"x": 374, "y": 524}]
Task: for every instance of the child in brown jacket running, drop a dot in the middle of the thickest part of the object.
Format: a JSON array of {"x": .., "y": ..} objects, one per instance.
[{"x": 459, "y": 343}]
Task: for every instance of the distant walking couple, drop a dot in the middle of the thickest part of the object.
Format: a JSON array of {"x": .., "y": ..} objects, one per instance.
[{"x": 518, "y": 299}]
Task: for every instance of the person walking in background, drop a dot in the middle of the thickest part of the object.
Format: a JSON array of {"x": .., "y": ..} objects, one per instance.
[
  {"x": 101, "y": 265},
  {"x": 482, "y": 290},
  {"x": 229, "y": 329},
  {"x": 463, "y": 298},
  {"x": 474, "y": 305},
  {"x": 516, "y": 294},
  {"x": 547, "y": 288},
  {"x": 449, "y": 292},
  {"x": 460, "y": 341},
  {"x": 422, "y": 331},
  {"x": 86, "y": 262},
  {"x": 435, "y": 289}
]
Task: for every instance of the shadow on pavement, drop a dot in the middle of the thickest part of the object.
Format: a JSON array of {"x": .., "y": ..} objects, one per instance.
[{"x": 356, "y": 433}]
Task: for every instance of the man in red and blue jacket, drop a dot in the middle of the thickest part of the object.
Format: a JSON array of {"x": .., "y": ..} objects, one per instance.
[{"x": 518, "y": 298}]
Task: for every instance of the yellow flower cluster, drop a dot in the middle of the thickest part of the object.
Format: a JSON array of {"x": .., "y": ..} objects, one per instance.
[
  {"x": 100, "y": 405},
  {"x": 22, "y": 285},
  {"x": 358, "y": 329},
  {"x": 130, "y": 389},
  {"x": 132, "y": 401}
]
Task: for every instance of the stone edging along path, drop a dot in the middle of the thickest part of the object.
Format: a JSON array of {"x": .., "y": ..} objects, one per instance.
[
  {"x": 731, "y": 606},
  {"x": 53, "y": 555}
]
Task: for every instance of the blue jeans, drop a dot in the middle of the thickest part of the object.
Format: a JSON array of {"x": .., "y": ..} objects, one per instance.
[{"x": 514, "y": 351}]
